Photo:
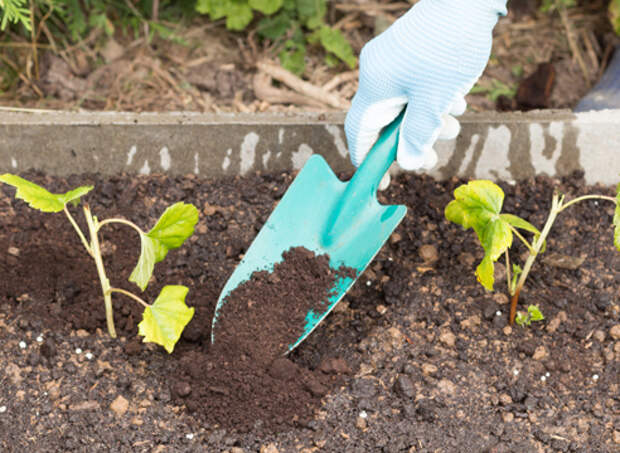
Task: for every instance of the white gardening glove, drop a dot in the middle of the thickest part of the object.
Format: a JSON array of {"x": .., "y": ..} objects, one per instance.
[{"x": 426, "y": 62}]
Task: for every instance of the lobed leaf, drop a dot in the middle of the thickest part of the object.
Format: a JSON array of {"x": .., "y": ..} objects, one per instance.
[
  {"x": 534, "y": 313},
  {"x": 334, "y": 41},
  {"x": 616, "y": 220},
  {"x": 40, "y": 198},
  {"x": 164, "y": 321},
  {"x": 174, "y": 226},
  {"x": 477, "y": 205},
  {"x": 266, "y": 6}
]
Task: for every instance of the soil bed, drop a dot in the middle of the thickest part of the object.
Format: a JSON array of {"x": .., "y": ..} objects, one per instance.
[{"x": 416, "y": 357}]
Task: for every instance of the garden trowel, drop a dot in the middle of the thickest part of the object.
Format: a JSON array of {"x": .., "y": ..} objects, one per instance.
[{"x": 321, "y": 213}]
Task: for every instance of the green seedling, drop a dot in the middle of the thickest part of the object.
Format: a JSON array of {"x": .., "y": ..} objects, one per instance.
[
  {"x": 533, "y": 314},
  {"x": 493, "y": 89},
  {"x": 164, "y": 320},
  {"x": 478, "y": 205}
]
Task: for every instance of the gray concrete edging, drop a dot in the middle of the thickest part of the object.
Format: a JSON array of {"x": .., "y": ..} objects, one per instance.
[{"x": 507, "y": 146}]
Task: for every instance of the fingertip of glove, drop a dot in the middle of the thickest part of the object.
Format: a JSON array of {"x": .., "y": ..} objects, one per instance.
[
  {"x": 412, "y": 159},
  {"x": 450, "y": 129},
  {"x": 459, "y": 106}
]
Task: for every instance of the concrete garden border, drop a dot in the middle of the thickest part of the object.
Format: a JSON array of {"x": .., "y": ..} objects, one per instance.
[{"x": 508, "y": 146}]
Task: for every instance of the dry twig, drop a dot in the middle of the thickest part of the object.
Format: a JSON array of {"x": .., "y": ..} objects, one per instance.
[
  {"x": 268, "y": 93},
  {"x": 307, "y": 89},
  {"x": 572, "y": 42}
]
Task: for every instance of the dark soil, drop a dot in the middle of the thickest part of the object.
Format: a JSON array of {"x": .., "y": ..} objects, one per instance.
[
  {"x": 416, "y": 357},
  {"x": 244, "y": 376},
  {"x": 264, "y": 316}
]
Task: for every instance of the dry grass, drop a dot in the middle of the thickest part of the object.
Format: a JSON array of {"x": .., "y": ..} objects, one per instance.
[{"x": 214, "y": 71}]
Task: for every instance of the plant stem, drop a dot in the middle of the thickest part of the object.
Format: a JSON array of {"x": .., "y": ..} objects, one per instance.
[
  {"x": 520, "y": 236},
  {"x": 79, "y": 232},
  {"x": 123, "y": 221},
  {"x": 587, "y": 197},
  {"x": 508, "y": 276},
  {"x": 105, "y": 283},
  {"x": 556, "y": 208},
  {"x": 128, "y": 294}
]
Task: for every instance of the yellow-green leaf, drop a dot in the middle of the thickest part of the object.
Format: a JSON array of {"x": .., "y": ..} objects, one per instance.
[
  {"x": 535, "y": 313},
  {"x": 485, "y": 273},
  {"x": 614, "y": 15},
  {"x": 477, "y": 205},
  {"x": 475, "y": 202},
  {"x": 39, "y": 198},
  {"x": 174, "y": 226},
  {"x": 164, "y": 321}
]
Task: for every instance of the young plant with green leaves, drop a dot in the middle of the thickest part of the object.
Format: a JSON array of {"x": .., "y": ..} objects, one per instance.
[
  {"x": 478, "y": 205},
  {"x": 164, "y": 320},
  {"x": 290, "y": 24},
  {"x": 533, "y": 315}
]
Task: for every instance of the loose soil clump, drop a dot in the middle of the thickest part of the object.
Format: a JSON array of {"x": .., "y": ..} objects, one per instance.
[
  {"x": 264, "y": 316},
  {"x": 245, "y": 379}
]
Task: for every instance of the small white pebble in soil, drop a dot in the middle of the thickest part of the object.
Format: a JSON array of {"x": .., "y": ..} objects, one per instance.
[
  {"x": 189, "y": 436},
  {"x": 515, "y": 372},
  {"x": 22, "y": 345},
  {"x": 89, "y": 356},
  {"x": 40, "y": 339},
  {"x": 498, "y": 313},
  {"x": 363, "y": 414},
  {"x": 543, "y": 378},
  {"x": 595, "y": 377},
  {"x": 368, "y": 283},
  {"x": 78, "y": 350},
  {"x": 2, "y": 409},
  {"x": 547, "y": 374}
]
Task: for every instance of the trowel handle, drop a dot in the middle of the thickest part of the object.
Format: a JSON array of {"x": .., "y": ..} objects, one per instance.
[
  {"x": 379, "y": 158},
  {"x": 361, "y": 190}
]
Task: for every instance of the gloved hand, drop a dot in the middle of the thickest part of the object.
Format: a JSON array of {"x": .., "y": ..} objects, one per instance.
[{"x": 428, "y": 60}]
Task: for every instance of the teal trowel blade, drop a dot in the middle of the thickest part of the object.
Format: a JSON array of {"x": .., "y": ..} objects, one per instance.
[{"x": 328, "y": 216}]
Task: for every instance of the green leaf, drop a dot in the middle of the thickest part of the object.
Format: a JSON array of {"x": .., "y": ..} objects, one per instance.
[
  {"x": 518, "y": 222},
  {"x": 275, "y": 27},
  {"x": 293, "y": 60},
  {"x": 614, "y": 15},
  {"x": 522, "y": 319},
  {"x": 266, "y": 6},
  {"x": 174, "y": 226},
  {"x": 333, "y": 41},
  {"x": 477, "y": 205},
  {"x": 616, "y": 220},
  {"x": 534, "y": 313},
  {"x": 164, "y": 321},
  {"x": 312, "y": 12},
  {"x": 522, "y": 224},
  {"x": 216, "y": 9},
  {"x": 484, "y": 273},
  {"x": 239, "y": 15},
  {"x": 39, "y": 198}
]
